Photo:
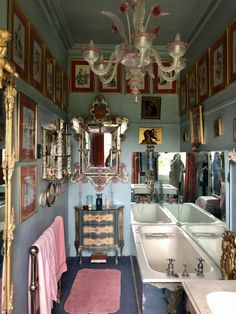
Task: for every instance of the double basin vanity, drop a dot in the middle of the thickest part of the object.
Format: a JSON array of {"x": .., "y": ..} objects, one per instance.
[{"x": 176, "y": 245}]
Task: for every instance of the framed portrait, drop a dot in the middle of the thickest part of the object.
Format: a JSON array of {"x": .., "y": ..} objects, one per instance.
[
  {"x": 49, "y": 81},
  {"x": 115, "y": 85},
  {"x": 192, "y": 88},
  {"x": 27, "y": 128},
  {"x": 19, "y": 45},
  {"x": 28, "y": 191},
  {"x": 151, "y": 108},
  {"x": 144, "y": 89},
  {"x": 58, "y": 85},
  {"x": 160, "y": 85},
  {"x": 217, "y": 127},
  {"x": 183, "y": 97},
  {"x": 196, "y": 126},
  {"x": 232, "y": 51},
  {"x": 234, "y": 129},
  {"x": 65, "y": 93},
  {"x": 150, "y": 136},
  {"x": 203, "y": 77},
  {"x": 218, "y": 64},
  {"x": 82, "y": 78},
  {"x": 36, "y": 60}
]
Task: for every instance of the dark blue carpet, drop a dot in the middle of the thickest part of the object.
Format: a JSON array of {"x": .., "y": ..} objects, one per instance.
[{"x": 127, "y": 302}]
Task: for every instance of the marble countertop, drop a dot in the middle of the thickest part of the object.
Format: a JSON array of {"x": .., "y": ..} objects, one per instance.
[{"x": 197, "y": 292}]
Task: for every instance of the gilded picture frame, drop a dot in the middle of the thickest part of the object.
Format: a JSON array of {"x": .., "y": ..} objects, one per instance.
[
  {"x": 218, "y": 64},
  {"x": 49, "y": 80},
  {"x": 19, "y": 45},
  {"x": 234, "y": 129},
  {"x": 27, "y": 128},
  {"x": 203, "y": 77},
  {"x": 232, "y": 51},
  {"x": 217, "y": 127},
  {"x": 28, "y": 191},
  {"x": 160, "y": 86},
  {"x": 151, "y": 136},
  {"x": 151, "y": 107},
  {"x": 82, "y": 78},
  {"x": 192, "y": 88},
  {"x": 196, "y": 126}
]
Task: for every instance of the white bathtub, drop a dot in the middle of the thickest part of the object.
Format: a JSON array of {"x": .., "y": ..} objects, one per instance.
[
  {"x": 155, "y": 244},
  {"x": 190, "y": 213},
  {"x": 209, "y": 237},
  {"x": 149, "y": 213}
]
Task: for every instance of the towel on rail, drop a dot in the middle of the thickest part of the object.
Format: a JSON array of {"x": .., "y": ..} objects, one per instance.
[{"x": 51, "y": 261}]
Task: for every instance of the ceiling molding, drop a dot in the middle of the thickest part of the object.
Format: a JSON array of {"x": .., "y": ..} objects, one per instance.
[
  {"x": 201, "y": 20},
  {"x": 57, "y": 20}
]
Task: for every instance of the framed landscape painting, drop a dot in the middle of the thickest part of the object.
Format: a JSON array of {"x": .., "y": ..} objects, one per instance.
[
  {"x": 36, "y": 60},
  {"x": 192, "y": 88},
  {"x": 19, "y": 45},
  {"x": 232, "y": 51},
  {"x": 218, "y": 64},
  {"x": 115, "y": 85},
  {"x": 82, "y": 78},
  {"x": 183, "y": 97},
  {"x": 203, "y": 77},
  {"x": 49, "y": 81},
  {"x": 160, "y": 85},
  {"x": 27, "y": 128}
]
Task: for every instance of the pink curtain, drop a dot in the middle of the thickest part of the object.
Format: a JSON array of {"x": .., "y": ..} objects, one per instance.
[{"x": 190, "y": 177}]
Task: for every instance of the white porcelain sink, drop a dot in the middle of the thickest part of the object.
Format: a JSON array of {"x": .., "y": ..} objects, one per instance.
[{"x": 221, "y": 302}]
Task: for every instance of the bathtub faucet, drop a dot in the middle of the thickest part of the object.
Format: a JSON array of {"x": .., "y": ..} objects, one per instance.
[
  {"x": 185, "y": 272},
  {"x": 170, "y": 268},
  {"x": 199, "y": 268}
]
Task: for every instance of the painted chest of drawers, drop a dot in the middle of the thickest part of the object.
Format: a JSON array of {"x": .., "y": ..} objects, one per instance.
[{"x": 99, "y": 230}]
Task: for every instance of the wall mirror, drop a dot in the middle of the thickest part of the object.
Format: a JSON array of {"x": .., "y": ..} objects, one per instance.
[
  {"x": 199, "y": 177},
  {"x": 99, "y": 138}
]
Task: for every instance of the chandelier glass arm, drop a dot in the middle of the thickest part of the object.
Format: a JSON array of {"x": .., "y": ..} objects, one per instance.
[
  {"x": 106, "y": 80},
  {"x": 168, "y": 76},
  {"x": 98, "y": 70},
  {"x": 163, "y": 68}
]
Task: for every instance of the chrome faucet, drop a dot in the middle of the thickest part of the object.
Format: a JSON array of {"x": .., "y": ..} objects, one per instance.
[
  {"x": 170, "y": 268},
  {"x": 199, "y": 268},
  {"x": 185, "y": 272}
]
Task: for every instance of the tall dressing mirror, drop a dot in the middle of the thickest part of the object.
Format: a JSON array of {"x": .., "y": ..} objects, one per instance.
[
  {"x": 198, "y": 177},
  {"x": 99, "y": 138}
]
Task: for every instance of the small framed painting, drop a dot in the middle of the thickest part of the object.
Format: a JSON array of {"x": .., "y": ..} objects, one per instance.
[
  {"x": 150, "y": 136},
  {"x": 203, "y": 77},
  {"x": 58, "y": 85},
  {"x": 232, "y": 51},
  {"x": 19, "y": 45},
  {"x": 218, "y": 127},
  {"x": 36, "y": 60},
  {"x": 151, "y": 108},
  {"x": 160, "y": 85},
  {"x": 218, "y": 64},
  {"x": 144, "y": 89},
  {"x": 183, "y": 97},
  {"x": 234, "y": 129},
  {"x": 196, "y": 126},
  {"x": 49, "y": 81},
  {"x": 27, "y": 128},
  {"x": 192, "y": 88},
  {"x": 115, "y": 85},
  {"x": 82, "y": 78},
  {"x": 28, "y": 191},
  {"x": 65, "y": 91}
]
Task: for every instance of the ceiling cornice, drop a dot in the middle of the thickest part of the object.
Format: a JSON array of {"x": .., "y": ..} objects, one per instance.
[
  {"x": 201, "y": 20},
  {"x": 57, "y": 20}
]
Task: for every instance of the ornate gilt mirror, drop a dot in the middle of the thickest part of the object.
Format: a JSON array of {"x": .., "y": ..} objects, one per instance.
[{"x": 99, "y": 138}]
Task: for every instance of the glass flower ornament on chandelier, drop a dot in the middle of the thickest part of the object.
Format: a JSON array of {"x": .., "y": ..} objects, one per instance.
[{"x": 136, "y": 52}]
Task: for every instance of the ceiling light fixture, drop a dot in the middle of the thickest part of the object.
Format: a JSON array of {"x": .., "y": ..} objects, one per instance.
[{"x": 136, "y": 52}]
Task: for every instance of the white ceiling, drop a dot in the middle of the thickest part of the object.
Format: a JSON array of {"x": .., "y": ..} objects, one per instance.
[{"x": 80, "y": 20}]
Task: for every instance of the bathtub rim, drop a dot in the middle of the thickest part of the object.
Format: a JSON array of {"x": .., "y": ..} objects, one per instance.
[{"x": 149, "y": 275}]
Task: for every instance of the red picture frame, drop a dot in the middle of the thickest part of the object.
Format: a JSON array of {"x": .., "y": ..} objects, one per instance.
[
  {"x": 145, "y": 88},
  {"x": 183, "y": 97},
  {"x": 27, "y": 128},
  {"x": 28, "y": 191},
  {"x": 159, "y": 85},
  {"x": 82, "y": 78},
  {"x": 19, "y": 45},
  {"x": 37, "y": 57},
  {"x": 58, "y": 85},
  {"x": 232, "y": 51},
  {"x": 114, "y": 86},
  {"x": 218, "y": 64},
  {"x": 49, "y": 81},
  {"x": 192, "y": 88},
  {"x": 203, "y": 77}
]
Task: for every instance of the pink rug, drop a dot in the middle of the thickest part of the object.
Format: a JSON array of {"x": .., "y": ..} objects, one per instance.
[{"x": 95, "y": 291}]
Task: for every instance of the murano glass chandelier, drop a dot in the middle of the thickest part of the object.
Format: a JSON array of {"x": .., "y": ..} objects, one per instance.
[{"x": 136, "y": 52}]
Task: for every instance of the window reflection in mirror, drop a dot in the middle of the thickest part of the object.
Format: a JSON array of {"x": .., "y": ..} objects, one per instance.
[{"x": 200, "y": 177}]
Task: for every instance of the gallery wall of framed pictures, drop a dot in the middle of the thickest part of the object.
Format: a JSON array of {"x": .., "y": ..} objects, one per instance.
[
  {"x": 32, "y": 59},
  {"x": 212, "y": 72}
]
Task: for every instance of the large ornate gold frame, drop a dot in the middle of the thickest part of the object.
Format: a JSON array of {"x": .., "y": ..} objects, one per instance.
[{"x": 7, "y": 74}]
